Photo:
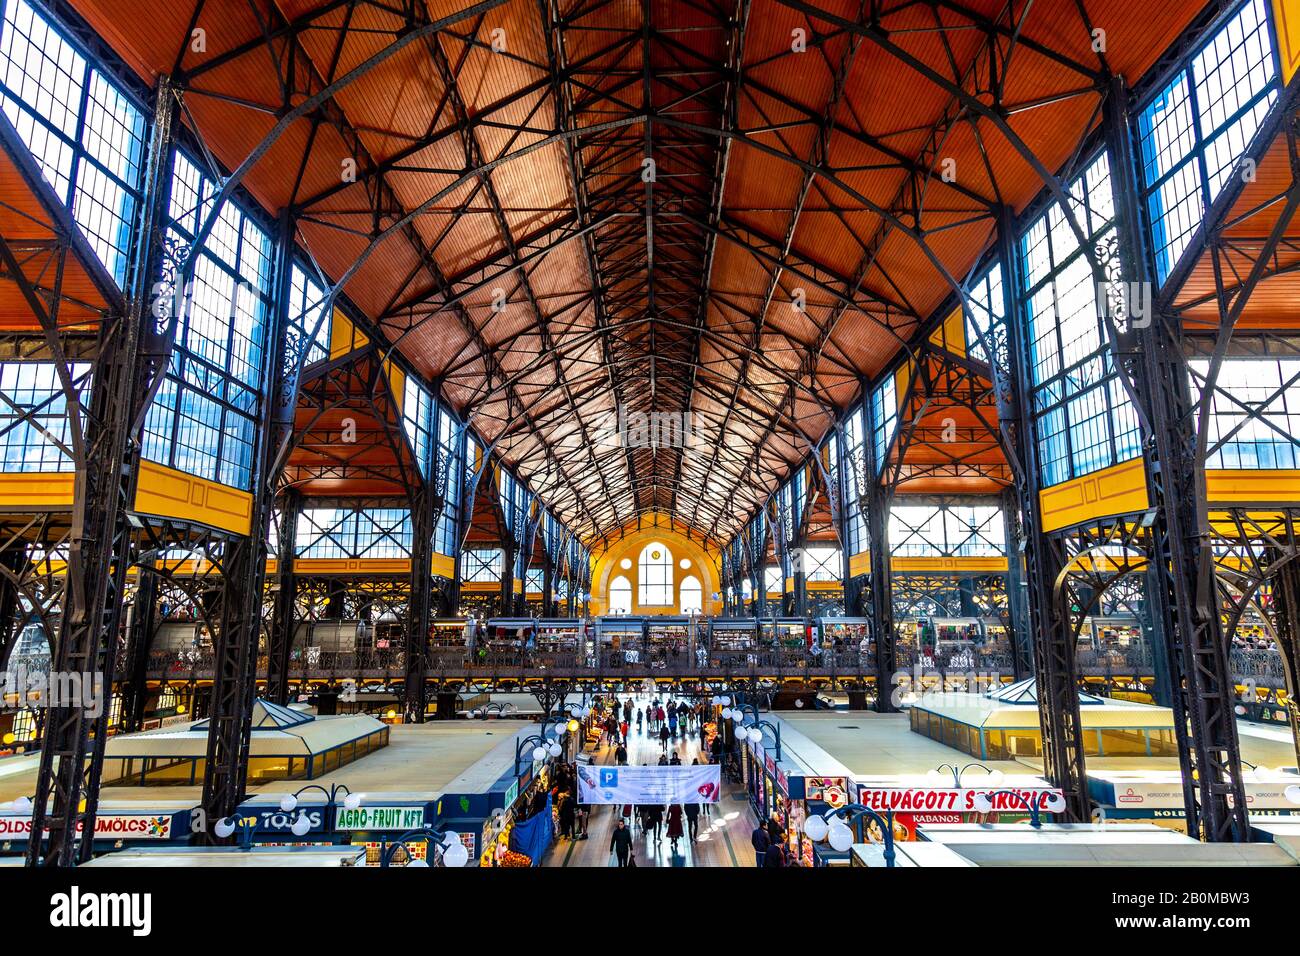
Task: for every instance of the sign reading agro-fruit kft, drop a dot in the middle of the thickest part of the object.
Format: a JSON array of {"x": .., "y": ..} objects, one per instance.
[{"x": 379, "y": 818}]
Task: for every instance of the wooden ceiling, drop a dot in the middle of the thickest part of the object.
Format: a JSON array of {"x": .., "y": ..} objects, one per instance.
[{"x": 727, "y": 212}]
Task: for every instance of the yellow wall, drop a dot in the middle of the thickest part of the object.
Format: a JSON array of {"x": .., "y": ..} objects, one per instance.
[
  {"x": 607, "y": 567},
  {"x": 169, "y": 493}
]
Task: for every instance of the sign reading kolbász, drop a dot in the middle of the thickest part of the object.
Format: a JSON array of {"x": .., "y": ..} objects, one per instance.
[{"x": 379, "y": 818}]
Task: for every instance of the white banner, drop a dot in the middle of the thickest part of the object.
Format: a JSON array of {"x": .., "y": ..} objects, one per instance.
[{"x": 650, "y": 785}]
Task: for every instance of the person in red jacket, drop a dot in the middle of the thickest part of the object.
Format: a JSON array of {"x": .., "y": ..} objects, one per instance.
[{"x": 675, "y": 817}]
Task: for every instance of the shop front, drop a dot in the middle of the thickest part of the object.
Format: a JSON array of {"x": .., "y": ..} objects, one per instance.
[{"x": 115, "y": 828}]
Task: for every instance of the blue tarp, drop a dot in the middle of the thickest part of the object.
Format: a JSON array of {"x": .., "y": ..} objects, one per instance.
[{"x": 532, "y": 837}]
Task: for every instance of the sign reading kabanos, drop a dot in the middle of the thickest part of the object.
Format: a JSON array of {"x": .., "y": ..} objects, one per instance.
[{"x": 924, "y": 799}]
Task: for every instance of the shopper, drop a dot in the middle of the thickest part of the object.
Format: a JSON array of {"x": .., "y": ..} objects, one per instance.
[
  {"x": 760, "y": 841},
  {"x": 693, "y": 820},
  {"x": 623, "y": 727},
  {"x": 775, "y": 830},
  {"x": 672, "y": 722},
  {"x": 639, "y": 716},
  {"x": 663, "y": 737},
  {"x": 777, "y": 855},
  {"x": 620, "y": 755},
  {"x": 620, "y": 843},
  {"x": 675, "y": 816},
  {"x": 568, "y": 816},
  {"x": 676, "y": 760},
  {"x": 656, "y": 822},
  {"x": 584, "y": 814},
  {"x": 627, "y": 710}
]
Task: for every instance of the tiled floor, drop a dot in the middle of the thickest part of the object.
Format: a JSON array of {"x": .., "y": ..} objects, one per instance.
[{"x": 723, "y": 833}]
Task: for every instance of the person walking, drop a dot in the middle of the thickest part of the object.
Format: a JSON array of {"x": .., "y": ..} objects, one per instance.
[
  {"x": 639, "y": 717},
  {"x": 663, "y": 738},
  {"x": 760, "y": 841},
  {"x": 672, "y": 721},
  {"x": 568, "y": 816},
  {"x": 693, "y": 820},
  {"x": 627, "y": 710},
  {"x": 584, "y": 814},
  {"x": 620, "y": 755},
  {"x": 675, "y": 817},
  {"x": 623, "y": 727},
  {"x": 656, "y": 820},
  {"x": 620, "y": 843}
]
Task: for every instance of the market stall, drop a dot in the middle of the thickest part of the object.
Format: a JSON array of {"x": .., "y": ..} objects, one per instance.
[
  {"x": 619, "y": 640},
  {"x": 507, "y": 639},
  {"x": 847, "y": 638},
  {"x": 668, "y": 640},
  {"x": 733, "y": 641},
  {"x": 559, "y": 640}
]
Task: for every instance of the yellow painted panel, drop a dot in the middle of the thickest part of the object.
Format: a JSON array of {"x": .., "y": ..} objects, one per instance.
[
  {"x": 169, "y": 493},
  {"x": 904, "y": 563},
  {"x": 901, "y": 379},
  {"x": 860, "y": 564},
  {"x": 1253, "y": 484},
  {"x": 517, "y": 586},
  {"x": 1116, "y": 490},
  {"x": 481, "y": 587},
  {"x": 396, "y": 383},
  {"x": 345, "y": 337},
  {"x": 443, "y": 566},
  {"x": 951, "y": 335},
  {"x": 1286, "y": 17},
  {"x": 789, "y": 585},
  {"x": 378, "y": 566},
  {"x": 823, "y": 585},
  {"x": 36, "y": 490}
]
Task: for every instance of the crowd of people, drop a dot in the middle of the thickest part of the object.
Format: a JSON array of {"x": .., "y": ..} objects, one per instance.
[{"x": 663, "y": 719}]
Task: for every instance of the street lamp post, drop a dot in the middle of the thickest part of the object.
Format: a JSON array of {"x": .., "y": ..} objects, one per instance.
[
  {"x": 754, "y": 731},
  {"x": 1035, "y": 804},
  {"x": 841, "y": 833},
  {"x": 302, "y": 825},
  {"x": 995, "y": 776},
  {"x": 453, "y": 854}
]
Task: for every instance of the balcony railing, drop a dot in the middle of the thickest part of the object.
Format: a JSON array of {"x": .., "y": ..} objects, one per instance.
[{"x": 1264, "y": 668}]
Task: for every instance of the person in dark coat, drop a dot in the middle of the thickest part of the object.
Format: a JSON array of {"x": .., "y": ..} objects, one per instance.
[
  {"x": 676, "y": 759},
  {"x": 620, "y": 756},
  {"x": 655, "y": 818},
  {"x": 675, "y": 816},
  {"x": 693, "y": 820},
  {"x": 663, "y": 737},
  {"x": 776, "y": 856},
  {"x": 760, "y": 840},
  {"x": 568, "y": 816},
  {"x": 620, "y": 843}
]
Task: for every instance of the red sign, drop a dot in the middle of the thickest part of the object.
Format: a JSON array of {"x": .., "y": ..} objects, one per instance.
[{"x": 948, "y": 800}]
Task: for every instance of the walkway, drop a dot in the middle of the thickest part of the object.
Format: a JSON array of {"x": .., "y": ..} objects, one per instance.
[{"x": 723, "y": 834}]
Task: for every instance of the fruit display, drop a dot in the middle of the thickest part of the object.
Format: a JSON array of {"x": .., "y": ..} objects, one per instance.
[{"x": 515, "y": 859}]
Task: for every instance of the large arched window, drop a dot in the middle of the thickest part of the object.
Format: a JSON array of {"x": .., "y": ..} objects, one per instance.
[
  {"x": 692, "y": 595},
  {"x": 620, "y": 596},
  {"x": 655, "y": 571}
]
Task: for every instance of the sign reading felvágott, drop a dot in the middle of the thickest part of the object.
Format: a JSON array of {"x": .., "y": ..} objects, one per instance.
[
  {"x": 379, "y": 818},
  {"x": 652, "y": 785}
]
